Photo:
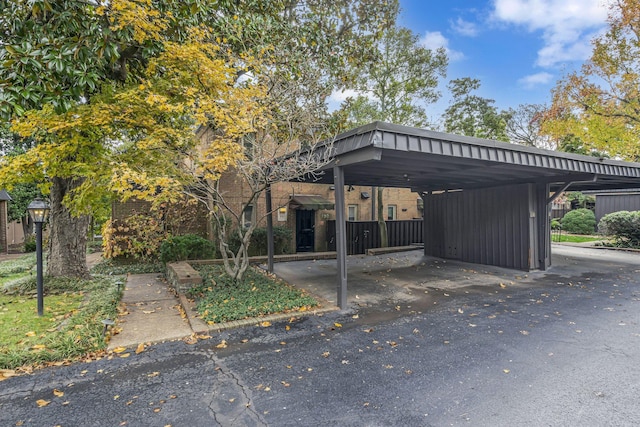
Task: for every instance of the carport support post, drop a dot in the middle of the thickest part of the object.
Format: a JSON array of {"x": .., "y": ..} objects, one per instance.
[
  {"x": 341, "y": 237},
  {"x": 425, "y": 229}
]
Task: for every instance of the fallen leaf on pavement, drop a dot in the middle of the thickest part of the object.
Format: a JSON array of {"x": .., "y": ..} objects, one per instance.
[
  {"x": 119, "y": 349},
  {"x": 223, "y": 344},
  {"x": 58, "y": 393},
  {"x": 42, "y": 403},
  {"x": 265, "y": 324},
  {"x": 140, "y": 348}
]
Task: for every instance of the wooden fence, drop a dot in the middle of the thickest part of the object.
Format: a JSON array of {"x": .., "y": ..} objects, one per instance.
[{"x": 363, "y": 235}]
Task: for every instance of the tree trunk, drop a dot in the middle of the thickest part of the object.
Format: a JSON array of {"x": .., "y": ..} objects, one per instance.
[
  {"x": 27, "y": 226},
  {"x": 68, "y": 235},
  {"x": 382, "y": 225}
]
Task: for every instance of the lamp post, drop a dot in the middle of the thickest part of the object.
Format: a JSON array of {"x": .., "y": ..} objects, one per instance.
[{"x": 39, "y": 211}]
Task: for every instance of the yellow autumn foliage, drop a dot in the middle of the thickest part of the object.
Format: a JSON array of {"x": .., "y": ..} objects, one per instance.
[{"x": 133, "y": 138}]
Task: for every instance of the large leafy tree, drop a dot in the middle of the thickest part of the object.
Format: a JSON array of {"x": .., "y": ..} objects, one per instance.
[
  {"x": 472, "y": 115},
  {"x": 399, "y": 82},
  {"x": 110, "y": 93},
  {"x": 396, "y": 86},
  {"x": 600, "y": 104},
  {"x": 309, "y": 50}
]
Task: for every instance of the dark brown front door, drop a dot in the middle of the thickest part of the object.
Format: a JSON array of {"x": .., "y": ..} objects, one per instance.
[{"x": 305, "y": 230}]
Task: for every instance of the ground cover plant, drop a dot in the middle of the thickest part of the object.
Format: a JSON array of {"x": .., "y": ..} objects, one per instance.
[
  {"x": 221, "y": 299},
  {"x": 119, "y": 266}
]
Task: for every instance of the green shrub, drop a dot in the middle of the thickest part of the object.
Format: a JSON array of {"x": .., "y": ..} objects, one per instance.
[
  {"x": 189, "y": 246},
  {"x": 579, "y": 221},
  {"x": 30, "y": 243},
  {"x": 624, "y": 226},
  {"x": 258, "y": 244},
  {"x": 555, "y": 224}
]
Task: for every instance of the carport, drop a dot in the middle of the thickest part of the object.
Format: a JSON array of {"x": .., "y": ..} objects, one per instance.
[{"x": 485, "y": 202}]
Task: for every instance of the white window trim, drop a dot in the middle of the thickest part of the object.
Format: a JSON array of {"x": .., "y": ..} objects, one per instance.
[
  {"x": 355, "y": 212},
  {"x": 394, "y": 208}
]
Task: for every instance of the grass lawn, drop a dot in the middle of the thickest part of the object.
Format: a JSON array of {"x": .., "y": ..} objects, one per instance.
[
  {"x": 575, "y": 238},
  {"x": 220, "y": 299},
  {"x": 70, "y": 327},
  {"x": 19, "y": 321}
]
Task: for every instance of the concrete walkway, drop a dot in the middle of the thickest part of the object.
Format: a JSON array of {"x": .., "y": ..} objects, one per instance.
[{"x": 152, "y": 313}]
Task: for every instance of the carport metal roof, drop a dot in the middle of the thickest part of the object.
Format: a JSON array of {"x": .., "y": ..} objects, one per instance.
[
  {"x": 383, "y": 154},
  {"x": 387, "y": 155}
]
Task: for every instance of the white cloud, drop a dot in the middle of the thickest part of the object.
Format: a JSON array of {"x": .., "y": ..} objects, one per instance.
[
  {"x": 434, "y": 40},
  {"x": 339, "y": 96},
  {"x": 464, "y": 28},
  {"x": 567, "y": 25},
  {"x": 533, "y": 80}
]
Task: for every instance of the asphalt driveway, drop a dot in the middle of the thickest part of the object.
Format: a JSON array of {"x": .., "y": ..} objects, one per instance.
[{"x": 425, "y": 342}]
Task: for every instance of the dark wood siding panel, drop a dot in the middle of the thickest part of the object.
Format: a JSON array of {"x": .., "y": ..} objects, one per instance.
[
  {"x": 486, "y": 226},
  {"x": 608, "y": 203}
]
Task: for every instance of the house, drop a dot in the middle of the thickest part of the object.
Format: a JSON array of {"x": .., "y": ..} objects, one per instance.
[{"x": 304, "y": 208}]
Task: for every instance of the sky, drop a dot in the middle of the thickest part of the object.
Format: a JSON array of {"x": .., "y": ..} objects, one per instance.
[{"x": 518, "y": 49}]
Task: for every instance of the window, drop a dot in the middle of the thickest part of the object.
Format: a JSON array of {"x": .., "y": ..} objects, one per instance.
[
  {"x": 247, "y": 216},
  {"x": 352, "y": 213},
  {"x": 392, "y": 212}
]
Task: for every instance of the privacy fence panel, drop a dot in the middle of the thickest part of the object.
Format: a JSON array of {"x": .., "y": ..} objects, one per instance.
[{"x": 364, "y": 235}]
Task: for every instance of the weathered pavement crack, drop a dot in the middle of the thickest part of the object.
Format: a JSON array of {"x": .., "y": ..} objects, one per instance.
[{"x": 230, "y": 402}]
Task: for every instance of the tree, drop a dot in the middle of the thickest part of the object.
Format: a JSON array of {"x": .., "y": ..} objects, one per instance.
[
  {"x": 401, "y": 78},
  {"x": 600, "y": 104},
  {"x": 308, "y": 54},
  {"x": 473, "y": 115},
  {"x": 523, "y": 126},
  {"x": 399, "y": 81},
  {"x": 110, "y": 93}
]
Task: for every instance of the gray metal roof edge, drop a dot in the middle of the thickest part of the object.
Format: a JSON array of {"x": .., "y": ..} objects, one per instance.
[
  {"x": 425, "y": 133},
  {"x": 5, "y": 196},
  {"x": 613, "y": 191}
]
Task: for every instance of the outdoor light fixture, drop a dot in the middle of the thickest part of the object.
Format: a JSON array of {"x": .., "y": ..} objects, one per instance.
[
  {"x": 106, "y": 323},
  {"x": 39, "y": 212}
]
